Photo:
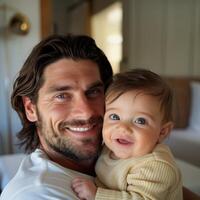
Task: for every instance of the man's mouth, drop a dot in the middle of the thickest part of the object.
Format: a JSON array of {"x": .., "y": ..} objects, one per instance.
[
  {"x": 82, "y": 126},
  {"x": 79, "y": 129}
]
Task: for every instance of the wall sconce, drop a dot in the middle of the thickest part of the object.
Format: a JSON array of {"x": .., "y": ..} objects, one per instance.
[{"x": 19, "y": 24}]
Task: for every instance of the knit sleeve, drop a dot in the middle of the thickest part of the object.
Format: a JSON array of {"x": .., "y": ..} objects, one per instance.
[
  {"x": 106, "y": 194},
  {"x": 154, "y": 180}
]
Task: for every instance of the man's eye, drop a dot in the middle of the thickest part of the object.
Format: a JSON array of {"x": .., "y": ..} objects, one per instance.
[
  {"x": 94, "y": 92},
  {"x": 62, "y": 97},
  {"x": 114, "y": 117},
  {"x": 140, "y": 120}
]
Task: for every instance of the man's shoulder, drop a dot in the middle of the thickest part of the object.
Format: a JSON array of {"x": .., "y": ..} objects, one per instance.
[
  {"x": 39, "y": 192},
  {"x": 37, "y": 176}
]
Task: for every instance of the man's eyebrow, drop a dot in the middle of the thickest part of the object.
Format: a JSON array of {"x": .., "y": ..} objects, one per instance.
[
  {"x": 59, "y": 88},
  {"x": 96, "y": 84}
]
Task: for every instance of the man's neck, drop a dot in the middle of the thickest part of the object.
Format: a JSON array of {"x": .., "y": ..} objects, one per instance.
[{"x": 86, "y": 167}]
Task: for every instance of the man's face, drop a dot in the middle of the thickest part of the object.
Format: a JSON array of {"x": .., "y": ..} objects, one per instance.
[{"x": 70, "y": 108}]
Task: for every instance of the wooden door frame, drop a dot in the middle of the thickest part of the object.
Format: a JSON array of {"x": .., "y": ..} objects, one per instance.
[{"x": 46, "y": 18}]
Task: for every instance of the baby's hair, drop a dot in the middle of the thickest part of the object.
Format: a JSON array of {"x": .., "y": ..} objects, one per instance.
[{"x": 145, "y": 81}]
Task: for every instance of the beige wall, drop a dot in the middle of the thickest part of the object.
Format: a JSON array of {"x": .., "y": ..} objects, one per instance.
[{"x": 13, "y": 51}]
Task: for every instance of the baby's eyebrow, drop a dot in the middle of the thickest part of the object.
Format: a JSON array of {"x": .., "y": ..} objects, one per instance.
[
  {"x": 152, "y": 117},
  {"x": 109, "y": 109}
]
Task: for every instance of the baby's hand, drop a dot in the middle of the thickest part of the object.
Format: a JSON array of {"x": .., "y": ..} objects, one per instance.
[{"x": 84, "y": 188}]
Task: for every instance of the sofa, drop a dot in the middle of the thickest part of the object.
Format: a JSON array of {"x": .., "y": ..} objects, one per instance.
[
  {"x": 184, "y": 139},
  {"x": 8, "y": 167}
]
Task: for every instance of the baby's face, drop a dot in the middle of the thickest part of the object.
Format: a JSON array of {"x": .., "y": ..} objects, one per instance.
[{"x": 132, "y": 124}]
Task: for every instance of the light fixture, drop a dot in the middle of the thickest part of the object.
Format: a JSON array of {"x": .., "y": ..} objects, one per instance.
[{"x": 19, "y": 24}]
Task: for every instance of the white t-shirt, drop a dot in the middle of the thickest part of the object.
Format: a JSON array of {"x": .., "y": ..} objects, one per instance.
[{"x": 42, "y": 179}]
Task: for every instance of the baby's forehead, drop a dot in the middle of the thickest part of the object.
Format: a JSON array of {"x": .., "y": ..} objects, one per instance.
[
  {"x": 135, "y": 93},
  {"x": 134, "y": 104}
]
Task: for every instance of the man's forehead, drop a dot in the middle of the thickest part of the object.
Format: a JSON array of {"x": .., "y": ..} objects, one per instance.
[
  {"x": 71, "y": 65},
  {"x": 58, "y": 86}
]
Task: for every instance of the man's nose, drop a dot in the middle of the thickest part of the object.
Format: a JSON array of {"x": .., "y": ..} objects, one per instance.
[{"x": 83, "y": 108}]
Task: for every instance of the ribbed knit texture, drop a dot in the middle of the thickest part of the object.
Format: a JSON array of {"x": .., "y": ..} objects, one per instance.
[{"x": 154, "y": 176}]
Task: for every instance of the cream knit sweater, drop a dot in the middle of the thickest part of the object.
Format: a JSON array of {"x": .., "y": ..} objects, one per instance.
[{"x": 154, "y": 176}]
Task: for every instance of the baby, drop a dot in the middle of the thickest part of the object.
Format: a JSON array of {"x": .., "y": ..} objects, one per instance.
[{"x": 134, "y": 164}]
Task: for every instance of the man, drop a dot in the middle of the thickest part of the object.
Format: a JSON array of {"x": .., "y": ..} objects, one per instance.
[{"x": 59, "y": 96}]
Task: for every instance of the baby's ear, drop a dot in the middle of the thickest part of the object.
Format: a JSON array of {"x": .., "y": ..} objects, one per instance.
[
  {"x": 165, "y": 130},
  {"x": 30, "y": 109}
]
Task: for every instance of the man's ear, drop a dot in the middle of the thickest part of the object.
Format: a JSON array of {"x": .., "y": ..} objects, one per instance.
[
  {"x": 165, "y": 130},
  {"x": 30, "y": 109}
]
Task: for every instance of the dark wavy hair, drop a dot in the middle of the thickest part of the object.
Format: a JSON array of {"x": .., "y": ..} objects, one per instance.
[
  {"x": 145, "y": 81},
  {"x": 30, "y": 78}
]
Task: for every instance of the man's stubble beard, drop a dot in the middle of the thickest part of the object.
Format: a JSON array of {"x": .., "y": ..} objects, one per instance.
[{"x": 63, "y": 145}]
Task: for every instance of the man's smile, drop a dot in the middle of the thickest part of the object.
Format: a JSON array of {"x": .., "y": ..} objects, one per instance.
[{"x": 79, "y": 129}]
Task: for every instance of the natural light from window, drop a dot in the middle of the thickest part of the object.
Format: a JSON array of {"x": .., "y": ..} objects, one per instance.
[{"x": 106, "y": 29}]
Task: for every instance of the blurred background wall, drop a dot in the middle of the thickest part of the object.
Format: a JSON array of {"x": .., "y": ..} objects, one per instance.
[
  {"x": 13, "y": 51},
  {"x": 161, "y": 35}
]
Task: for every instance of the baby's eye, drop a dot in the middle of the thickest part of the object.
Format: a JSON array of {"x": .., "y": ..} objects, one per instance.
[
  {"x": 114, "y": 117},
  {"x": 140, "y": 120}
]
